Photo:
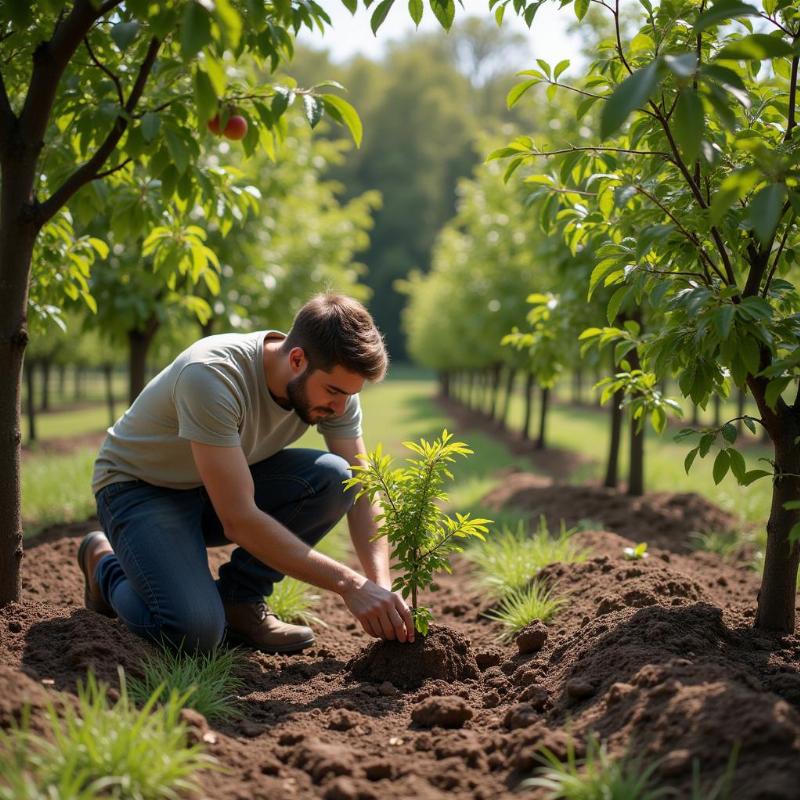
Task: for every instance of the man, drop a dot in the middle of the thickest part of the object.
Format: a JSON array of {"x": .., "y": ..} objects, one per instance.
[{"x": 199, "y": 460}]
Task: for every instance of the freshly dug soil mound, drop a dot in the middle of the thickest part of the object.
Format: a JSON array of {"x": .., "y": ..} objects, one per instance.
[
  {"x": 659, "y": 518},
  {"x": 657, "y": 657},
  {"x": 444, "y": 654}
]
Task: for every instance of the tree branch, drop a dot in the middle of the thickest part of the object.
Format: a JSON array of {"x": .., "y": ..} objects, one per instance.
[
  {"x": 792, "y": 100},
  {"x": 619, "y": 38},
  {"x": 88, "y": 171},
  {"x": 659, "y": 153},
  {"x": 50, "y": 59},
  {"x": 106, "y": 172},
  {"x": 688, "y": 234},
  {"x": 777, "y": 256},
  {"x": 107, "y": 71},
  {"x": 7, "y": 116}
]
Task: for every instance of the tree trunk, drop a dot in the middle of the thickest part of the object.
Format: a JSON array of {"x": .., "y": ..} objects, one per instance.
[
  {"x": 494, "y": 399},
  {"x": 612, "y": 467},
  {"x": 45, "y": 388},
  {"x": 139, "y": 342},
  {"x": 30, "y": 400},
  {"x": 208, "y": 327},
  {"x": 17, "y": 235},
  {"x": 636, "y": 465},
  {"x": 695, "y": 415},
  {"x": 717, "y": 411},
  {"x": 540, "y": 442},
  {"x": 511, "y": 377},
  {"x": 777, "y": 596},
  {"x": 108, "y": 374},
  {"x": 62, "y": 382},
  {"x": 577, "y": 387},
  {"x": 526, "y": 420}
]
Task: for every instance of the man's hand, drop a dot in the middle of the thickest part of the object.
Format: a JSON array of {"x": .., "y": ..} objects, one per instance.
[{"x": 382, "y": 614}]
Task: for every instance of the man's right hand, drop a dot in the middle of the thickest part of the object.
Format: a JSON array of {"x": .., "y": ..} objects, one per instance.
[{"x": 382, "y": 614}]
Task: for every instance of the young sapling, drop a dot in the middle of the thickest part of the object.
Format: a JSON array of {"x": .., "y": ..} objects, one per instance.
[{"x": 421, "y": 535}]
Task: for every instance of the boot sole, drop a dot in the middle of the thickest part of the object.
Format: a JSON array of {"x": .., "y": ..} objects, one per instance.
[
  {"x": 102, "y": 607},
  {"x": 284, "y": 649}
]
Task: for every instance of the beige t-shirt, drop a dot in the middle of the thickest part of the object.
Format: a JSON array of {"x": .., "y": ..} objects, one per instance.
[{"x": 214, "y": 392}]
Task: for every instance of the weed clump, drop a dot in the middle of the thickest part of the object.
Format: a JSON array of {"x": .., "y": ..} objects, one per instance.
[{"x": 103, "y": 750}]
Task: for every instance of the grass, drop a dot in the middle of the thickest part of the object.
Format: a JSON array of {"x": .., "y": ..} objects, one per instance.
[
  {"x": 586, "y": 430},
  {"x": 102, "y": 750},
  {"x": 506, "y": 562},
  {"x": 73, "y": 422},
  {"x": 207, "y": 682},
  {"x": 57, "y": 488},
  {"x": 595, "y": 777},
  {"x": 292, "y": 601},
  {"x": 522, "y": 606}
]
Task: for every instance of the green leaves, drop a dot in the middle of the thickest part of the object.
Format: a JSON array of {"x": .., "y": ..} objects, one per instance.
[
  {"x": 444, "y": 11},
  {"x": 765, "y": 211},
  {"x": 722, "y": 12},
  {"x": 415, "y": 9},
  {"x": 631, "y": 94},
  {"x": 379, "y": 15},
  {"x": 123, "y": 34},
  {"x": 756, "y": 47},
  {"x": 345, "y": 114},
  {"x": 314, "y": 109},
  {"x": 689, "y": 123},
  {"x": 195, "y": 31}
]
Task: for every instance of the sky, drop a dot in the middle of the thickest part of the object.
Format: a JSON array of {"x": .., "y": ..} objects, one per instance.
[{"x": 351, "y": 35}]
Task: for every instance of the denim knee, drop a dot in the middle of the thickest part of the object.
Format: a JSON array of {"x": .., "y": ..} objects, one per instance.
[
  {"x": 198, "y": 628},
  {"x": 332, "y": 471}
]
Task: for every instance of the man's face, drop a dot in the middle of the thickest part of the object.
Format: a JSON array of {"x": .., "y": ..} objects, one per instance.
[{"x": 317, "y": 395}]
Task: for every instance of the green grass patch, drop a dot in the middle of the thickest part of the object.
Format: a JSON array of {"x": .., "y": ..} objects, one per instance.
[
  {"x": 73, "y": 422},
  {"x": 56, "y": 488},
  {"x": 207, "y": 682},
  {"x": 595, "y": 777},
  {"x": 102, "y": 750},
  {"x": 586, "y": 430},
  {"x": 506, "y": 562},
  {"x": 293, "y": 601},
  {"x": 522, "y": 606}
]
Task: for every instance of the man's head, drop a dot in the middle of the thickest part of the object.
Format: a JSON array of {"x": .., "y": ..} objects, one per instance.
[{"x": 333, "y": 347}]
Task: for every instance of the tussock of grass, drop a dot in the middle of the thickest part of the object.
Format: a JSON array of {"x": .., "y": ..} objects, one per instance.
[
  {"x": 595, "y": 777},
  {"x": 102, "y": 750},
  {"x": 207, "y": 682},
  {"x": 723, "y": 543},
  {"x": 292, "y": 601},
  {"x": 523, "y": 606},
  {"x": 506, "y": 562}
]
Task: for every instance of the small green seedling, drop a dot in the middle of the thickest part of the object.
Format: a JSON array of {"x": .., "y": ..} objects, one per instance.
[
  {"x": 636, "y": 553},
  {"x": 420, "y": 534}
]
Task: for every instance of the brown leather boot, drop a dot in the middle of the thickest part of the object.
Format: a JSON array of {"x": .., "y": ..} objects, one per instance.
[
  {"x": 92, "y": 548},
  {"x": 254, "y": 625}
]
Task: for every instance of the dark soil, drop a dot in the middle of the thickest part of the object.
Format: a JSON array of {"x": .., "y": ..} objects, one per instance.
[
  {"x": 657, "y": 656},
  {"x": 443, "y": 654}
]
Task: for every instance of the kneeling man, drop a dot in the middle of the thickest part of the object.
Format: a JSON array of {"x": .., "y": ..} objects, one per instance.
[{"x": 200, "y": 459}]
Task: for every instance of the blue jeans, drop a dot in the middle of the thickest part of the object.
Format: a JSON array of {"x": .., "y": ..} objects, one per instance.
[{"x": 158, "y": 580}]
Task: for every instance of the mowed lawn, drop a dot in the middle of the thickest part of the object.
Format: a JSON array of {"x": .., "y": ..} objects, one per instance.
[{"x": 56, "y": 485}]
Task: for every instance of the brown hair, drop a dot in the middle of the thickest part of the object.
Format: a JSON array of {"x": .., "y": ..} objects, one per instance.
[{"x": 336, "y": 330}]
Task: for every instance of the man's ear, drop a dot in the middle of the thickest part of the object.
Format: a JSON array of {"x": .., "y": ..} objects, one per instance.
[{"x": 297, "y": 360}]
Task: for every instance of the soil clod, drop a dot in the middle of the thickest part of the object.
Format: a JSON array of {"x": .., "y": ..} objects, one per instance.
[
  {"x": 444, "y": 654},
  {"x": 444, "y": 712},
  {"x": 532, "y": 637}
]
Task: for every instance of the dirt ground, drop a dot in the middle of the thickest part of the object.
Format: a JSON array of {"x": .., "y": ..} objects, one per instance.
[{"x": 657, "y": 656}]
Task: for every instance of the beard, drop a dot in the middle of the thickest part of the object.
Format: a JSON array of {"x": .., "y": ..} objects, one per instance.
[{"x": 299, "y": 403}]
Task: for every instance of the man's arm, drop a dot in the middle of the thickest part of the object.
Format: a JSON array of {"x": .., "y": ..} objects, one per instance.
[
  {"x": 373, "y": 555},
  {"x": 227, "y": 479}
]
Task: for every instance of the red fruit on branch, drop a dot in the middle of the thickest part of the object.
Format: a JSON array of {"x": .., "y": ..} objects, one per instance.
[
  {"x": 236, "y": 127},
  {"x": 213, "y": 125}
]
